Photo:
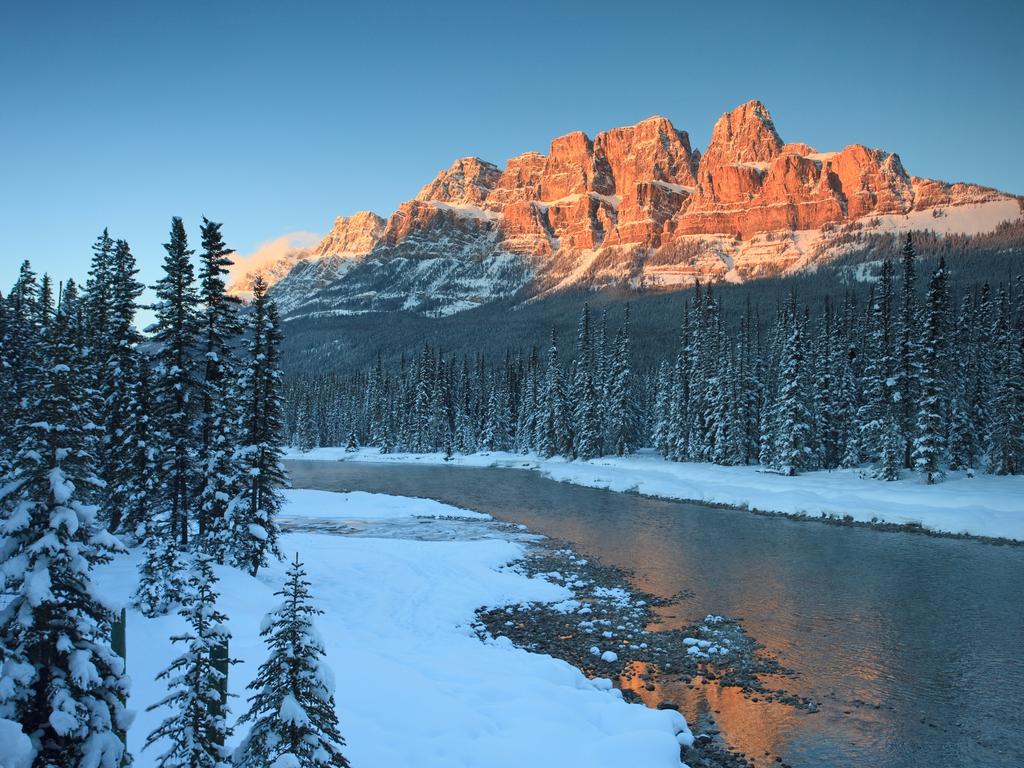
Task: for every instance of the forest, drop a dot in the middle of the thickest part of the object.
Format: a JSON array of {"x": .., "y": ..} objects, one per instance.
[{"x": 901, "y": 373}]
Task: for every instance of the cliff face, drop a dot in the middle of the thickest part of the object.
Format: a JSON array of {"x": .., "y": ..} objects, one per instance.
[{"x": 634, "y": 204}]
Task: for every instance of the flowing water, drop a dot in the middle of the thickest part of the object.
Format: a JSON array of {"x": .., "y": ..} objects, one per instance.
[{"x": 913, "y": 645}]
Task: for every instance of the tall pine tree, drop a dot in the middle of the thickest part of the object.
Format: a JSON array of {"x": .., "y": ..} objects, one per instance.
[
  {"x": 175, "y": 385},
  {"x": 252, "y": 513}
]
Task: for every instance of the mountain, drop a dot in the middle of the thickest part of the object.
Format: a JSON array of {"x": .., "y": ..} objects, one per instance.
[{"x": 635, "y": 206}]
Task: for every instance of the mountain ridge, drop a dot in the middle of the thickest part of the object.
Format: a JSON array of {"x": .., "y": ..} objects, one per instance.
[{"x": 635, "y": 205}]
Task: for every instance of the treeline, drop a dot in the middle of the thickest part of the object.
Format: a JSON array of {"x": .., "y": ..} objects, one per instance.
[
  {"x": 171, "y": 441},
  {"x": 890, "y": 378}
]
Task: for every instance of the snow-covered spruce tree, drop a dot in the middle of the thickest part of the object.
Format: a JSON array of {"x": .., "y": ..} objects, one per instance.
[
  {"x": 60, "y": 678},
  {"x": 175, "y": 381},
  {"x": 679, "y": 400},
  {"x": 963, "y": 440},
  {"x": 663, "y": 409},
  {"x": 495, "y": 432},
  {"x": 22, "y": 345},
  {"x": 768, "y": 439},
  {"x": 983, "y": 386},
  {"x": 465, "y": 435},
  {"x": 378, "y": 413},
  {"x": 95, "y": 329},
  {"x": 121, "y": 392},
  {"x": 136, "y": 473},
  {"x": 585, "y": 397},
  {"x": 219, "y": 332},
  {"x": 749, "y": 388},
  {"x": 551, "y": 428},
  {"x": 251, "y": 514},
  {"x": 933, "y": 408},
  {"x": 826, "y": 393},
  {"x": 845, "y": 406},
  {"x": 526, "y": 423},
  {"x": 161, "y": 572},
  {"x": 879, "y": 415},
  {"x": 7, "y": 402},
  {"x": 792, "y": 452},
  {"x": 196, "y": 728},
  {"x": 907, "y": 368},
  {"x": 622, "y": 416},
  {"x": 99, "y": 292},
  {"x": 294, "y": 723}
]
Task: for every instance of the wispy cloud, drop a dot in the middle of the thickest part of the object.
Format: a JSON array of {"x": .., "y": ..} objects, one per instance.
[{"x": 266, "y": 254}]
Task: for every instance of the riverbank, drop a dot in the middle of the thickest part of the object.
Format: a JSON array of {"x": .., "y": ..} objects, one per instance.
[
  {"x": 985, "y": 506},
  {"x": 416, "y": 686}
]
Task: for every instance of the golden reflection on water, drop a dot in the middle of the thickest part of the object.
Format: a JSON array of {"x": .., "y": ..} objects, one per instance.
[{"x": 747, "y": 724}]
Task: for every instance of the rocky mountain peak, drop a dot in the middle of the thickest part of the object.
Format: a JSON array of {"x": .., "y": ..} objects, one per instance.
[
  {"x": 354, "y": 235},
  {"x": 468, "y": 182},
  {"x": 651, "y": 150},
  {"x": 745, "y": 135}
]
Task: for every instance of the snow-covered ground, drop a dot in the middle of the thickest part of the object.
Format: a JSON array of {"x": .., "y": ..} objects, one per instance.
[
  {"x": 415, "y": 686},
  {"x": 985, "y": 505}
]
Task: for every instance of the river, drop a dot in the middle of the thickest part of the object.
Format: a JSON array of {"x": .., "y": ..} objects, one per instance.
[{"x": 913, "y": 645}]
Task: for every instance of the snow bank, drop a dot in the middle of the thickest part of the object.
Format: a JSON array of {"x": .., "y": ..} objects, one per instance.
[
  {"x": 368, "y": 506},
  {"x": 416, "y": 687},
  {"x": 981, "y": 506}
]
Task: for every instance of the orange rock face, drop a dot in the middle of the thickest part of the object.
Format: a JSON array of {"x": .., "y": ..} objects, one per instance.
[
  {"x": 570, "y": 169},
  {"x": 872, "y": 181},
  {"x": 745, "y": 135},
  {"x": 644, "y": 216},
  {"x": 651, "y": 150},
  {"x": 929, "y": 193},
  {"x": 356, "y": 234},
  {"x": 467, "y": 182},
  {"x": 519, "y": 182},
  {"x": 603, "y": 206}
]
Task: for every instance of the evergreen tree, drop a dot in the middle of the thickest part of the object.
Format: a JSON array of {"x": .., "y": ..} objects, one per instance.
[
  {"x": 161, "y": 571},
  {"x": 60, "y": 678},
  {"x": 7, "y": 401},
  {"x": 22, "y": 346},
  {"x": 930, "y": 445},
  {"x": 963, "y": 439},
  {"x": 292, "y": 712},
  {"x": 586, "y": 398},
  {"x": 100, "y": 293},
  {"x": 880, "y": 435},
  {"x": 553, "y": 432},
  {"x": 793, "y": 452},
  {"x": 122, "y": 394},
  {"x": 252, "y": 513},
  {"x": 907, "y": 369},
  {"x": 135, "y": 481},
  {"x": 197, "y": 726},
  {"x": 622, "y": 416},
  {"x": 175, "y": 334},
  {"x": 220, "y": 329},
  {"x": 663, "y": 410}
]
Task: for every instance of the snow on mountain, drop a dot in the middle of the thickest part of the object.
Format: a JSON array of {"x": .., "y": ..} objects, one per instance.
[{"x": 635, "y": 205}]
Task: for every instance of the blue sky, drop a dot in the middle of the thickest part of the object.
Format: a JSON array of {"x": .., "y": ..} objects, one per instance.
[{"x": 276, "y": 117}]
